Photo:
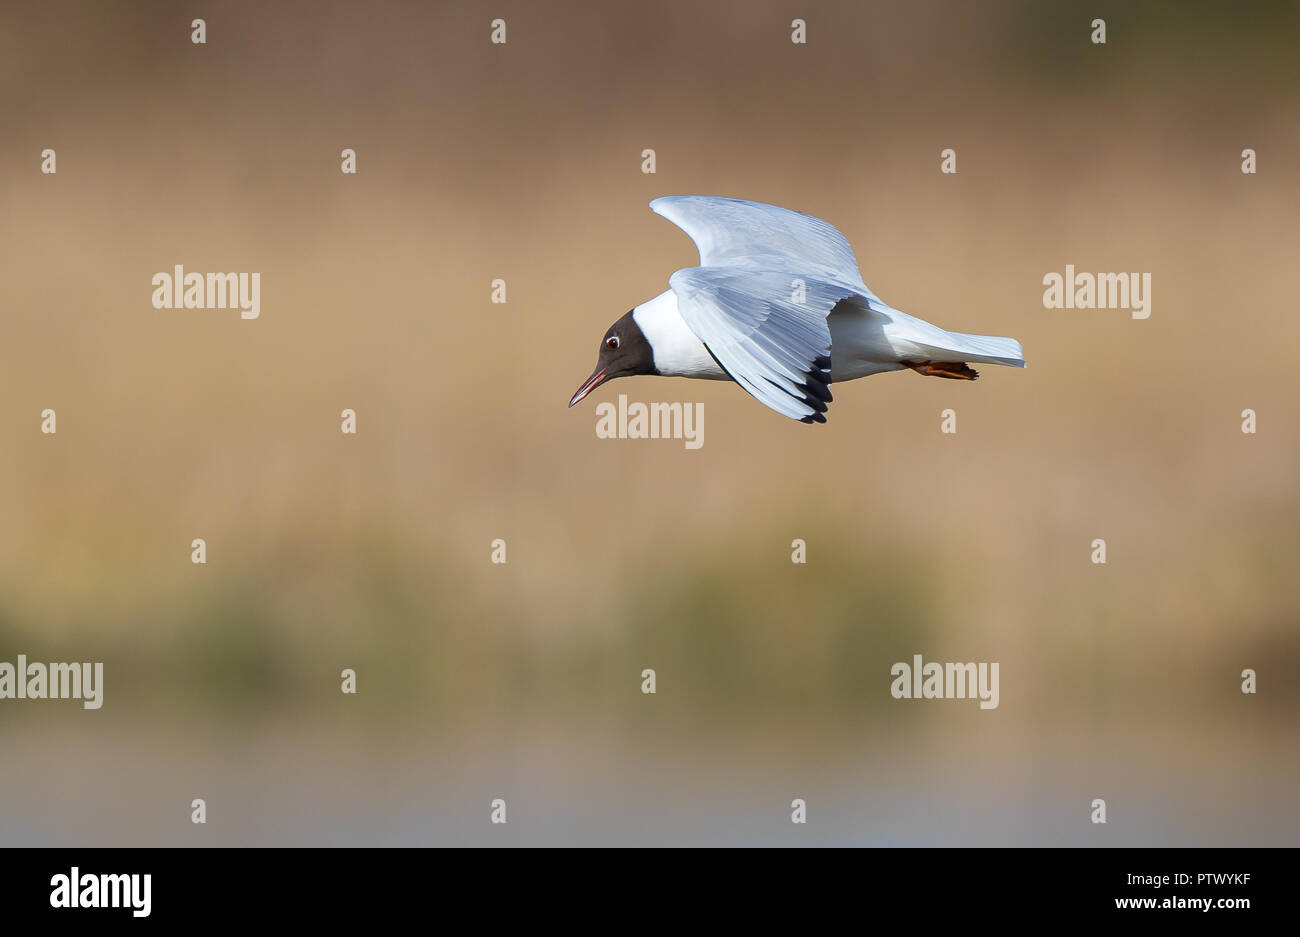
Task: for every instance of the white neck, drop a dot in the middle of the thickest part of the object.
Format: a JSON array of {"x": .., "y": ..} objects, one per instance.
[{"x": 677, "y": 351}]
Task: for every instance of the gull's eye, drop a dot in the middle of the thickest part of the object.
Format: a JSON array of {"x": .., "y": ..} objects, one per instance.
[{"x": 612, "y": 342}]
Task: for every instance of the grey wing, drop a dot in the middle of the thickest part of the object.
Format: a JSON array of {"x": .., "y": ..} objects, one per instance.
[
  {"x": 733, "y": 232},
  {"x": 766, "y": 329}
]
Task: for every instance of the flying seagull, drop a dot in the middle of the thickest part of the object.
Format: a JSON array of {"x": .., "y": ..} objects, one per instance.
[{"x": 777, "y": 305}]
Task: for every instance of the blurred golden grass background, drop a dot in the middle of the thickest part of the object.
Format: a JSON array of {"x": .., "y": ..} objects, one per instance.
[{"x": 523, "y": 162}]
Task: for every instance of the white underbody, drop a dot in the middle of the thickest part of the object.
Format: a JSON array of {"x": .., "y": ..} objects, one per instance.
[{"x": 863, "y": 342}]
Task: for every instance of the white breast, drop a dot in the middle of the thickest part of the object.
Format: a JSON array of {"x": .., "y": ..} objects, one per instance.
[{"x": 678, "y": 353}]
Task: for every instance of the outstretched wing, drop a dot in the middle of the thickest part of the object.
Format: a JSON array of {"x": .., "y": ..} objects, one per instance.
[
  {"x": 733, "y": 232},
  {"x": 767, "y": 329}
]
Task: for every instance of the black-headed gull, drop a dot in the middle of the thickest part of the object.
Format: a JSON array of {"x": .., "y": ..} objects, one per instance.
[{"x": 777, "y": 305}]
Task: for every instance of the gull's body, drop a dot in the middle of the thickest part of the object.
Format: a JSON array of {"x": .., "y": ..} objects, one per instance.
[
  {"x": 778, "y": 305},
  {"x": 859, "y": 346}
]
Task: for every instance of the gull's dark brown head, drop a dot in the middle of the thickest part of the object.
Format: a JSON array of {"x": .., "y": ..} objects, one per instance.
[{"x": 624, "y": 351}]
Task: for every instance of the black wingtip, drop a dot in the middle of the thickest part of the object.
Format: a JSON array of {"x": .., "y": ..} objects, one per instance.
[
  {"x": 818, "y": 390},
  {"x": 817, "y": 384}
]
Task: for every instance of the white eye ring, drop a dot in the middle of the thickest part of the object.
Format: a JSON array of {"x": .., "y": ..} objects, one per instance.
[{"x": 611, "y": 342}]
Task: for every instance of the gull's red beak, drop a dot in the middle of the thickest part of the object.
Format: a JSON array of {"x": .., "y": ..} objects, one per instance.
[{"x": 590, "y": 384}]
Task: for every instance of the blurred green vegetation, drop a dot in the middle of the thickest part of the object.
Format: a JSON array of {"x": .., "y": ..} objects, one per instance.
[
  {"x": 732, "y": 633},
  {"x": 730, "y": 630}
]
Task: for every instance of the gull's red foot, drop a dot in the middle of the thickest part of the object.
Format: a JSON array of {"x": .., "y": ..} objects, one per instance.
[{"x": 955, "y": 372}]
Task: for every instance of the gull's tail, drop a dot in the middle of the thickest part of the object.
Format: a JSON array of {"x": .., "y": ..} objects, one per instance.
[{"x": 988, "y": 349}]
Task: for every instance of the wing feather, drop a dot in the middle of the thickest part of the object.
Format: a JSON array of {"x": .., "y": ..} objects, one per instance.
[
  {"x": 733, "y": 232},
  {"x": 754, "y": 324}
]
